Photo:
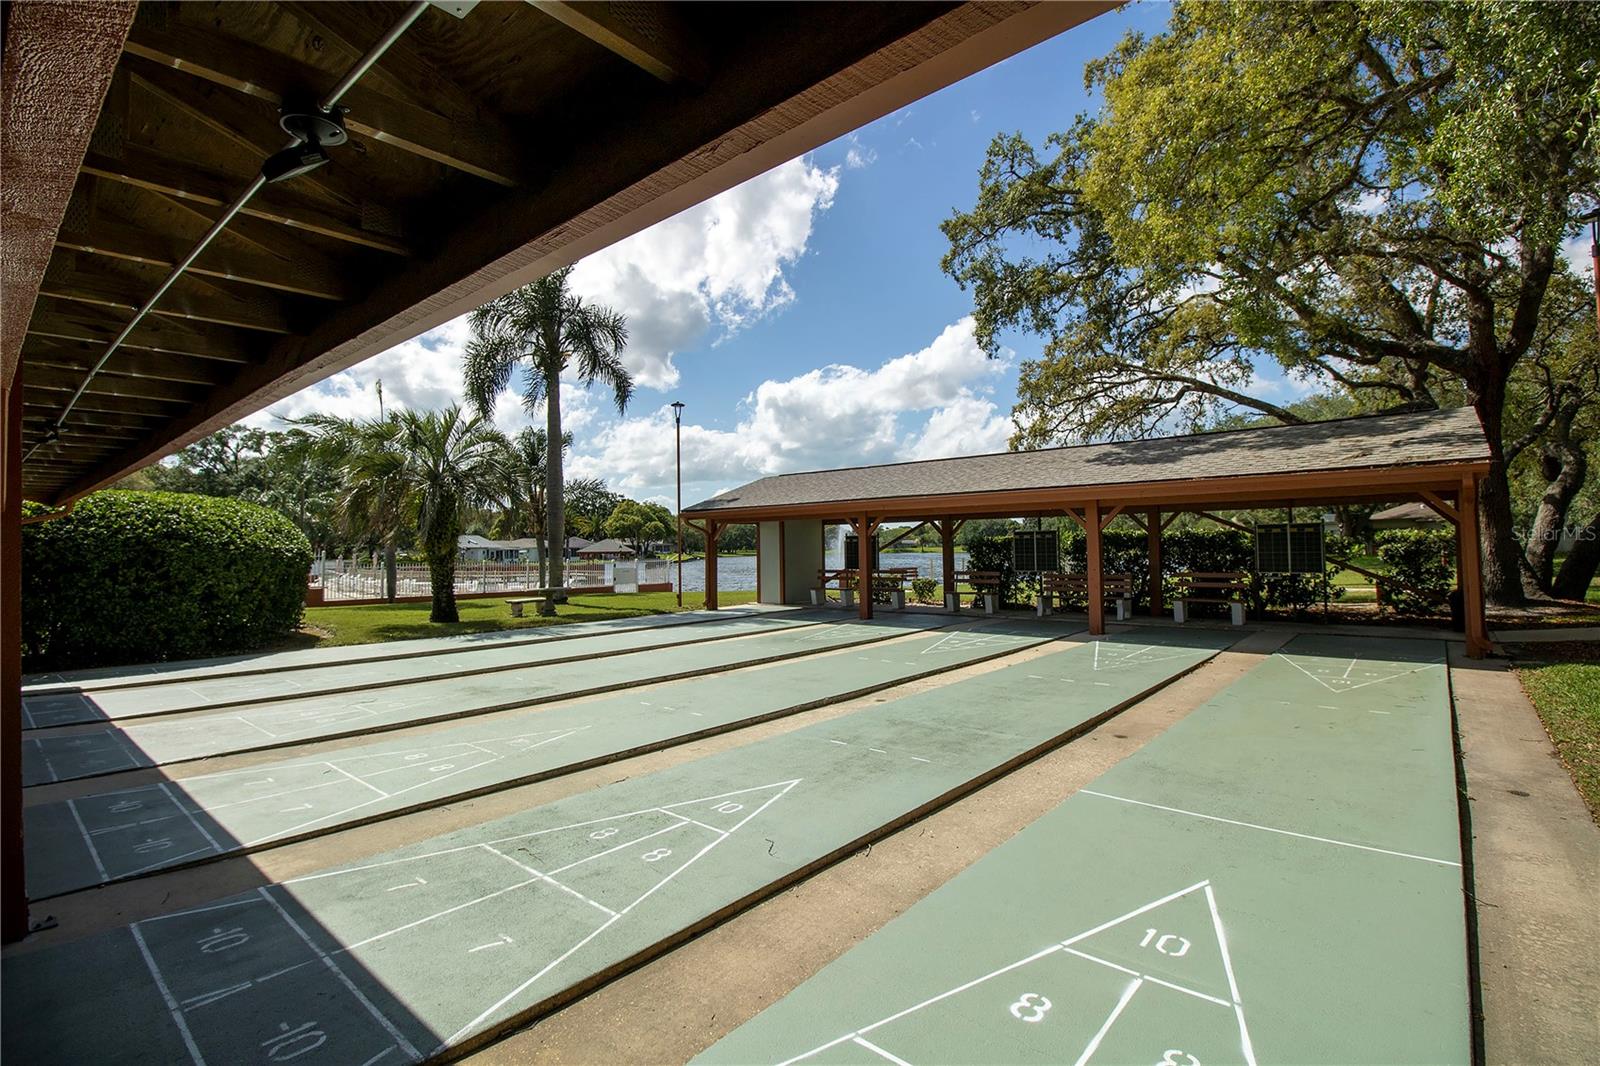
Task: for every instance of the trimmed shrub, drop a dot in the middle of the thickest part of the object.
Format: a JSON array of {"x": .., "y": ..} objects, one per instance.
[
  {"x": 147, "y": 576},
  {"x": 1421, "y": 566},
  {"x": 924, "y": 589},
  {"x": 994, "y": 554}
]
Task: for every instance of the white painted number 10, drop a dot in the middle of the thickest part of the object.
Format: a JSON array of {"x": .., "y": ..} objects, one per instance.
[
  {"x": 1030, "y": 1008},
  {"x": 728, "y": 808},
  {"x": 1168, "y": 944}
]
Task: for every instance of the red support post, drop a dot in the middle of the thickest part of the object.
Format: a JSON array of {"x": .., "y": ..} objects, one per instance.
[
  {"x": 13, "y": 887},
  {"x": 1157, "y": 595},
  {"x": 713, "y": 531},
  {"x": 864, "y": 567},
  {"x": 1097, "y": 597},
  {"x": 1470, "y": 569}
]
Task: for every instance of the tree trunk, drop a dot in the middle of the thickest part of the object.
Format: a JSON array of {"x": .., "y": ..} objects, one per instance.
[
  {"x": 541, "y": 533},
  {"x": 1564, "y": 467},
  {"x": 1503, "y": 564},
  {"x": 1572, "y": 581},
  {"x": 553, "y": 488},
  {"x": 391, "y": 579},
  {"x": 442, "y": 576}
]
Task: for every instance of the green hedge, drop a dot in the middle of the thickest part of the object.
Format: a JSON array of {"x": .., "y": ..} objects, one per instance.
[
  {"x": 1422, "y": 566},
  {"x": 145, "y": 576}
]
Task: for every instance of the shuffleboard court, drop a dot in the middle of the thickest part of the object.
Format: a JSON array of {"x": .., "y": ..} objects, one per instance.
[
  {"x": 70, "y": 752},
  {"x": 437, "y": 946},
  {"x": 1275, "y": 879},
  {"x": 106, "y": 678},
  {"x": 122, "y": 833},
  {"x": 176, "y": 696}
]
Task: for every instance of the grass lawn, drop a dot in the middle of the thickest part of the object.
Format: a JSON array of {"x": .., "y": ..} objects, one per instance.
[
  {"x": 403, "y": 621},
  {"x": 1567, "y": 696}
]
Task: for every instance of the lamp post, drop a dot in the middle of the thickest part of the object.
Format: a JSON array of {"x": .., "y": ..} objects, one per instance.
[{"x": 677, "y": 433}]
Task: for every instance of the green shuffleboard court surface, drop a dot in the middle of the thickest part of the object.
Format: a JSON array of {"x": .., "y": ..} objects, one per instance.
[
  {"x": 73, "y": 752},
  {"x": 130, "y": 831},
  {"x": 440, "y": 944},
  {"x": 1275, "y": 879},
  {"x": 197, "y": 694}
]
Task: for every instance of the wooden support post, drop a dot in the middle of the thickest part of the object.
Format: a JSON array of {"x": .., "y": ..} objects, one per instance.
[
  {"x": 1470, "y": 566},
  {"x": 947, "y": 544},
  {"x": 1097, "y": 592},
  {"x": 13, "y": 889},
  {"x": 864, "y": 533},
  {"x": 713, "y": 530},
  {"x": 1153, "y": 538}
]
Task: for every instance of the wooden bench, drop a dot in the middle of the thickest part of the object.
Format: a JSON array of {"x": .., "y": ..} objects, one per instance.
[
  {"x": 1118, "y": 588},
  {"x": 1213, "y": 587},
  {"x": 540, "y": 597},
  {"x": 845, "y": 580},
  {"x": 985, "y": 590}
]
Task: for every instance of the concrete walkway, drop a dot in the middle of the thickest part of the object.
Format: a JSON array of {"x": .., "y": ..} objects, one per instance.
[
  {"x": 1536, "y": 867},
  {"x": 441, "y": 944}
]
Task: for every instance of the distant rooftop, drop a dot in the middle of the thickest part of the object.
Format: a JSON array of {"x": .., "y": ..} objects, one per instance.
[{"x": 1369, "y": 442}]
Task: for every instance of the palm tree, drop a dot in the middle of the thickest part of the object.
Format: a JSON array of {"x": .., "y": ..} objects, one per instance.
[
  {"x": 525, "y": 491},
  {"x": 433, "y": 468},
  {"x": 544, "y": 329},
  {"x": 373, "y": 503}
]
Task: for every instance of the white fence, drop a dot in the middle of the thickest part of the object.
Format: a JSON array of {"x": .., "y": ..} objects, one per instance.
[{"x": 360, "y": 579}]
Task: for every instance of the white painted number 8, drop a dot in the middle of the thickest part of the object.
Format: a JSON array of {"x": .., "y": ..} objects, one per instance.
[
  {"x": 601, "y": 834},
  {"x": 657, "y": 855},
  {"x": 1171, "y": 1059},
  {"x": 1033, "y": 1004}
]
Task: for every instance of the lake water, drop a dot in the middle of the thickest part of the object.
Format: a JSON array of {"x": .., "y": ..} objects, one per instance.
[{"x": 738, "y": 572}]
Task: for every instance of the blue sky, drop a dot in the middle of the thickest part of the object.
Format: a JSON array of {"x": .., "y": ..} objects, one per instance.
[{"x": 802, "y": 317}]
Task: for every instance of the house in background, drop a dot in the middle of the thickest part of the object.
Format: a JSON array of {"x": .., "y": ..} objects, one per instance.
[
  {"x": 1417, "y": 515},
  {"x": 476, "y": 549},
  {"x": 610, "y": 548}
]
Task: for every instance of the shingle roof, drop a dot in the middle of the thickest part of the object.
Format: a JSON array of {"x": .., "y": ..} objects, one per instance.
[
  {"x": 1425, "y": 438},
  {"x": 608, "y": 546},
  {"x": 1409, "y": 512}
]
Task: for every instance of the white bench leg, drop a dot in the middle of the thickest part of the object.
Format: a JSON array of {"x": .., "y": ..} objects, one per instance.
[
  {"x": 818, "y": 597},
  {"x": 516, "y": 610},
  {"x": 1124, "y": 608},
  {"x": 847, "y": 597},
  {"x": 990, "y": 603},
  {"x": 897, "y": 599},
  {"x": 952, "y": 602},
  {"x": 1041, "y": 605},
  {"x": 1179, "y": 611},
  {"x": 1236, "y": 613}
]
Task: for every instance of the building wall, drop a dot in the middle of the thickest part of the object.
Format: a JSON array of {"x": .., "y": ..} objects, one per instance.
[{"x": 799, "y": 558}]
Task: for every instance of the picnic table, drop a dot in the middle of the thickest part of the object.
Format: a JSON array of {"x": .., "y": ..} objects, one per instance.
[{"x": 985, "y": 585}]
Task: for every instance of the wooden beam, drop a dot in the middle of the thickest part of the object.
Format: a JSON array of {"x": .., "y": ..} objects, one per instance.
[
  {"x": 650, "y": 36},
  {"x": 189, "y": 183},
  {"x": 67, "y": 381},
  {"x": 157, "y": 366},
  {"x": 1443, "y": 509},
  {"x": 1224, "y": 521},
  {"x": 1076, "y": 517},
  {"x": 188, "y": 299},
  {"x": 66, "y": 320},
  {"x": 1106, "y": 519},
  {"x": 132, "y": 407},
  {"x": 475, "y": 143},
  {"x": 306, "y": 275},
  {"x": 1171, "y": 518},
  {"x": 902, "y": 535}
]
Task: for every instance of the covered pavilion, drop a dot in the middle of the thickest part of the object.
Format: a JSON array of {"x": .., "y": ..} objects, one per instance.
[
  {"x": 171, "y": 266},
  {"x": 1435, "y": 457}
]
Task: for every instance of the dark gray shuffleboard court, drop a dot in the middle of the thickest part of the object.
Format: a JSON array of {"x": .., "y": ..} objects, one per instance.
[
  {"x": 172, "y": 695},
  {"x": 105, "y": 678},
  {"x": 70, "y": 752},
  {"x": 1275, "y": 879},
  {"x": 126, "y": 832},
  {"x": 437, "y": 946}
]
